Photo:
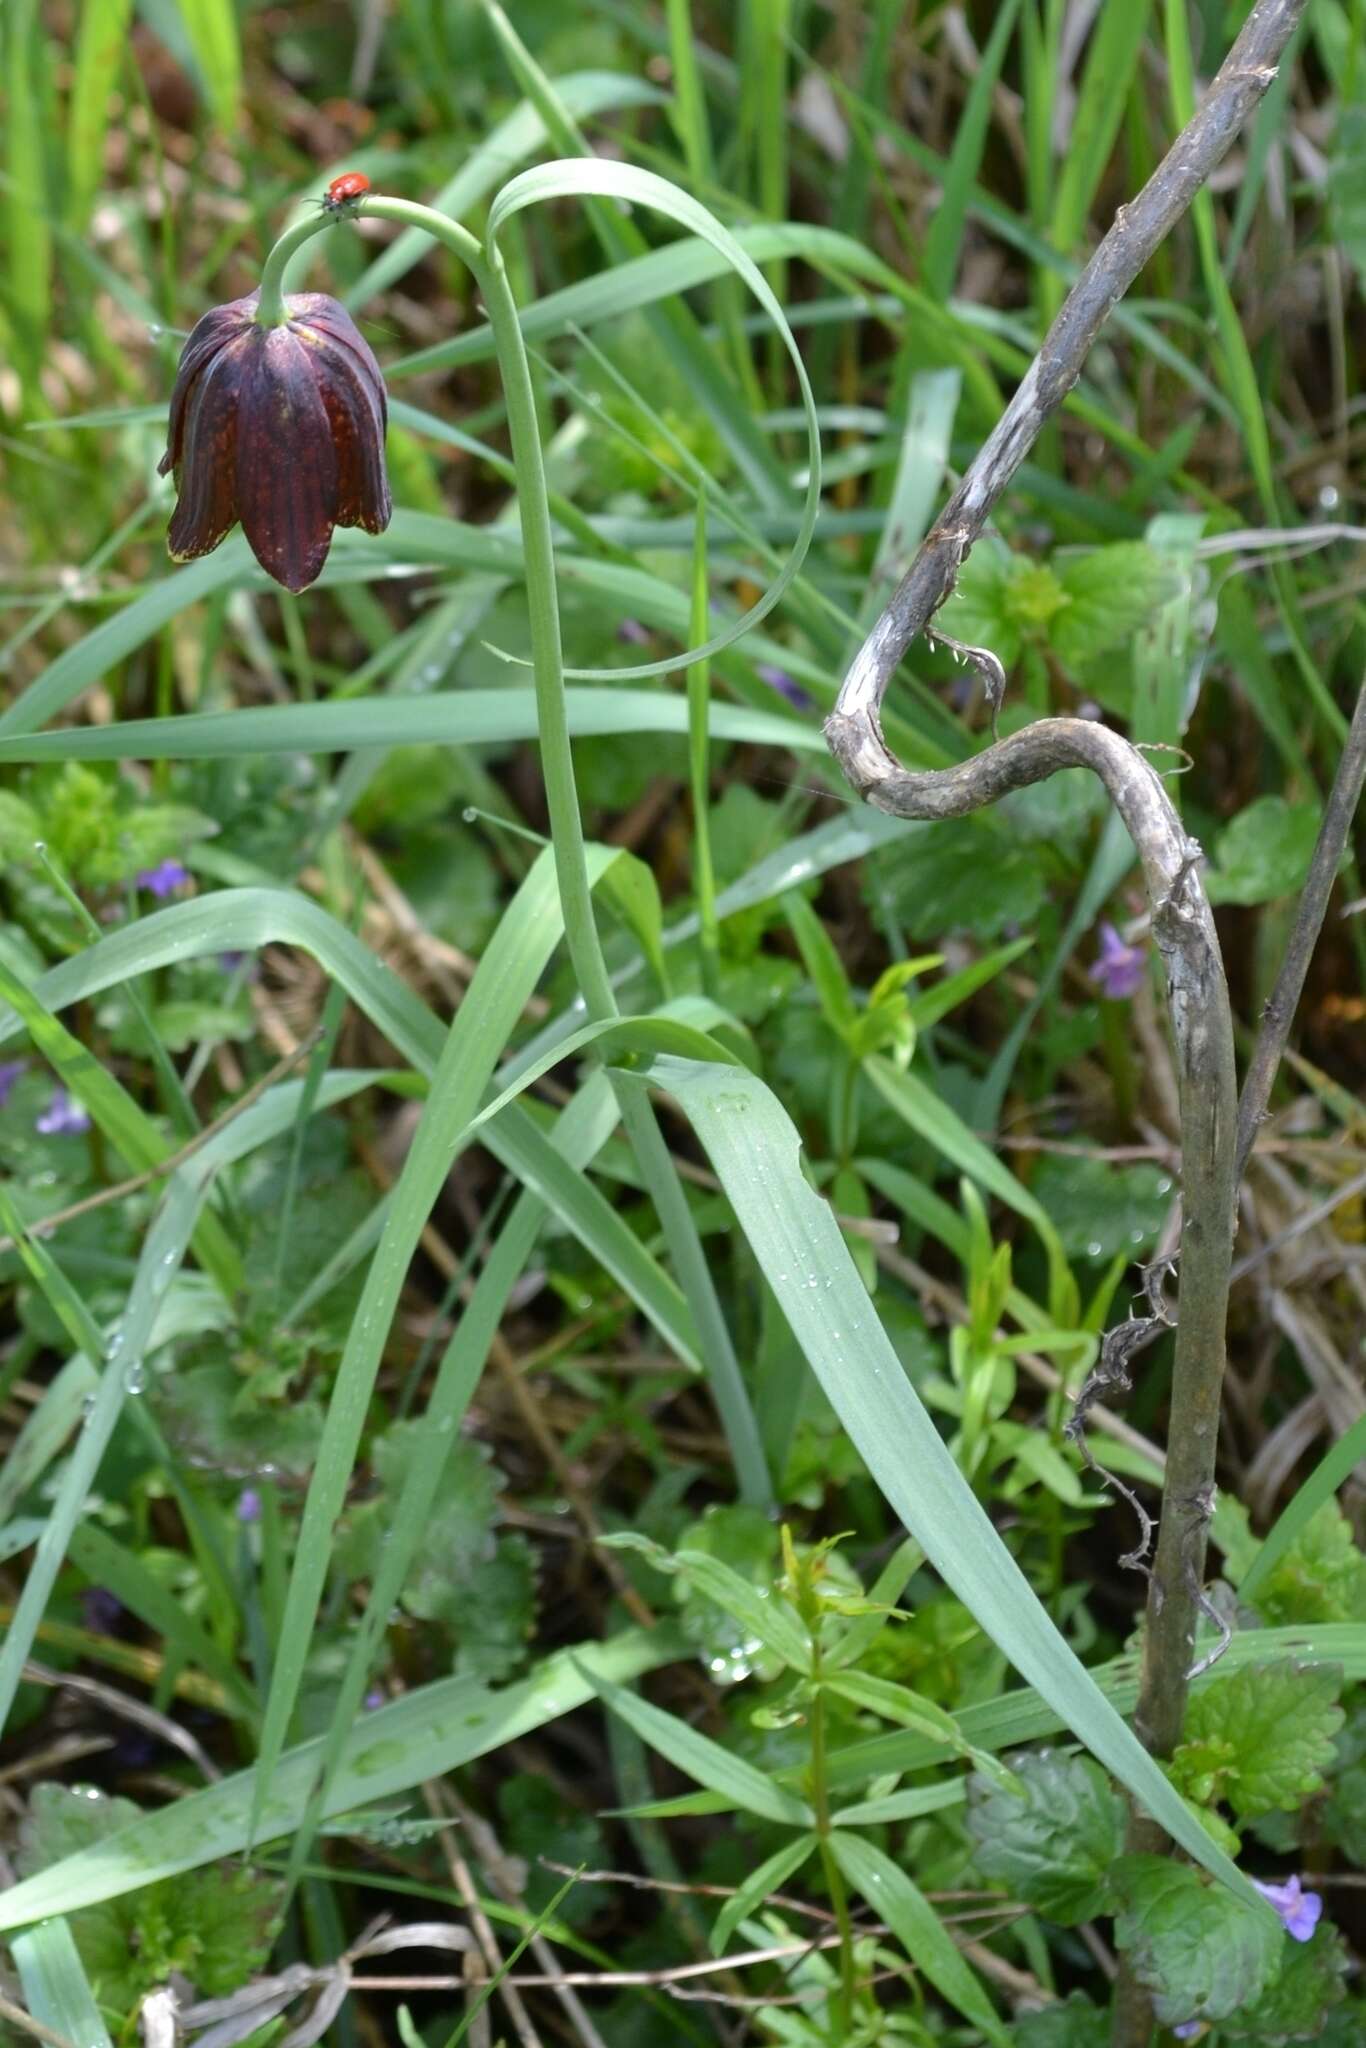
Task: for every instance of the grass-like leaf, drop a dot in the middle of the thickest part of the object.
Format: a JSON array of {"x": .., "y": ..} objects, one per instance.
[
  {"x": 911, "y": 1917},
  {"x": 794, "y": 1236},
  {"x": 431, "y": 1730},
  {"x": 706, "y": 1762}
]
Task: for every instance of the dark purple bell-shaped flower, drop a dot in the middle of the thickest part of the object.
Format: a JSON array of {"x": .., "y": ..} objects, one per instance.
[{"x": 280, "y": 427}]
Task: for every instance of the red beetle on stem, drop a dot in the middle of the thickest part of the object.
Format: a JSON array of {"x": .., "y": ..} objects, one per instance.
[{"x": 342, "y": 194}]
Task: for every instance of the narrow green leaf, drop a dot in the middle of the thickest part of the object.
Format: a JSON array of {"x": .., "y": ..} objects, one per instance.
[
  {"x": 56, "y": 1989},
  {"x": 1111, "y": 59},
  {"x": 211, "y": 26},
  {"x": 29, "y": 267},
  {"x": 945, "y": 238},
  {"x": 455, "y": 718},
  {"x": 596, "y": 176},
  {"x": 754, "y": 1149},
  {"x": 428, "y": 1732},
  {"x": 517, "y": 136},
  {"x": 916, "y": 1925},
  {"x": 1336, "y": 1466},
  {"x": 506, "y": 976},
  {"x": 928, "y": 1115},
  {"x": 774, "y": 1871},
  {"x": 121, "y": 1571},
  {"x": 705, "y": 1761},
  {"x": 100, "y": 43},
  {"x": 129, "y": 1129}
]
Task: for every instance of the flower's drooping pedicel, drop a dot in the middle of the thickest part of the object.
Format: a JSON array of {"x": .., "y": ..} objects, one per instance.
[{"x": 280, "y": 427}]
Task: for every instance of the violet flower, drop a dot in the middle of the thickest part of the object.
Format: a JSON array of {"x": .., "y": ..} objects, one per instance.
[
  {"x": 1118, "y": 969},
  {"x": 164, "y": 879},
  {"x": 633, "y": 634},
  {"x": 248, "y": 1505},
  {"x": 778, "y": 679},
  {"x": 1300, "y": 1910},
  {"x": 280, "y": 427},
  {"x": 101, "y": 1610},
  {"x": 10, "y": 1070},
  {"x": 63, "y": 1118}
]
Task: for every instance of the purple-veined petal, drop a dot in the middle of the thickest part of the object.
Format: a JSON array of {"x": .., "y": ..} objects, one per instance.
[
  {"x": 219, "y": 326},
  {"x": 286, "y": 463},
  {"x": 207, "y": 471},
  {"x": 355, "y": 409}
]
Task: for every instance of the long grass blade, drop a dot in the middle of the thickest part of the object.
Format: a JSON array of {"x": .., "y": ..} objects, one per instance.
[{"x": 754, "y": 1148}]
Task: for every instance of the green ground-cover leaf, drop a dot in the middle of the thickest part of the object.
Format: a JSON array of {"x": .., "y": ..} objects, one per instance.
[
  {"x": 1200, "y": 1950},
  {"x": 1052, "y": 1840},
  {"x": 214, "y": 1926},
  {"x": 1265, "y": 1734}
]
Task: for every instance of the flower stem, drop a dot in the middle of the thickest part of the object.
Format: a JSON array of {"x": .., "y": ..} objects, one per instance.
[
  {"x": 557, "y": 766},
  {"x": 581, "y": 932},
  {"x": 818, "y": 1787}
]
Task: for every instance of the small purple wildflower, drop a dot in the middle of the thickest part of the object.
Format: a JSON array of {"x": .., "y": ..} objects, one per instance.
[
  {"x": 10, "y": 1070},
  {"x": 101, "y": 1610},
  {"x": 1119, "y": 969},
  {"x": 778, "y": 679},
  {"x": 1299, "y": 1909},
  {"x": 248, "y": 1505},
  {"x": 1188, "y": 2030},
  {"x": 633, "y": 633},
  {"x": 62, "y": 1118},
  {"x": 374, "y": 1698},
  {"x": 164, "y": 879}
]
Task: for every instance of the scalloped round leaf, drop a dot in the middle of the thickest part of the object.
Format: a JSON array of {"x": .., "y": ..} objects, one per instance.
[
  {"x": 1196, "y": 1946},
  {"x": 1052, "y": 1843},
  {"x": 1271, "y": 1728},
  {"x": 1294, "y": 2008}
]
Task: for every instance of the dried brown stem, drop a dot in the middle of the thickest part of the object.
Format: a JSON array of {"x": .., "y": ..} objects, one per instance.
[
  {"x": 853, "y": 731},
  {"x": 1182, "y": 923}
]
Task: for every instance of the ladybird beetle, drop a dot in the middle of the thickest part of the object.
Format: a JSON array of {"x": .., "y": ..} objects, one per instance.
[{"x": 344, "y": 191}]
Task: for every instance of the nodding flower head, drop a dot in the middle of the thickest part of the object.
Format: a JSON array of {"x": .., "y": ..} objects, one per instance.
[{"x": 280, "y": 427}]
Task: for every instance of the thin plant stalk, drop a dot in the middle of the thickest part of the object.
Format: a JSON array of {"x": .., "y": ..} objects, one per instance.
[
  {"x": 557, "y": 766},
  {"x": 1310, "y": 912},
  {"x": 699, "y": 767}
]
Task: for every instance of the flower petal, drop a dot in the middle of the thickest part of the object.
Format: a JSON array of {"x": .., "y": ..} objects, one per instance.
[
  {"x": 206, "y": 472},
  {"x": 352, "y": 389},
  {"x": 286, "y": 463},
  {"x": 219, "y": 326},
  {"x": 358, "y": 436}
]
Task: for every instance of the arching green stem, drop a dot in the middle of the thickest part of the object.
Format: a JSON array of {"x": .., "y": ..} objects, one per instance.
[{"x": 557, "y": 766}]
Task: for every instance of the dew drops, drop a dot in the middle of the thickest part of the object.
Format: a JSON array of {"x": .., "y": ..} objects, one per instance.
[
  {"x": 1094, "y": 1248},
  {"x": 135, "y": 1378}
]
